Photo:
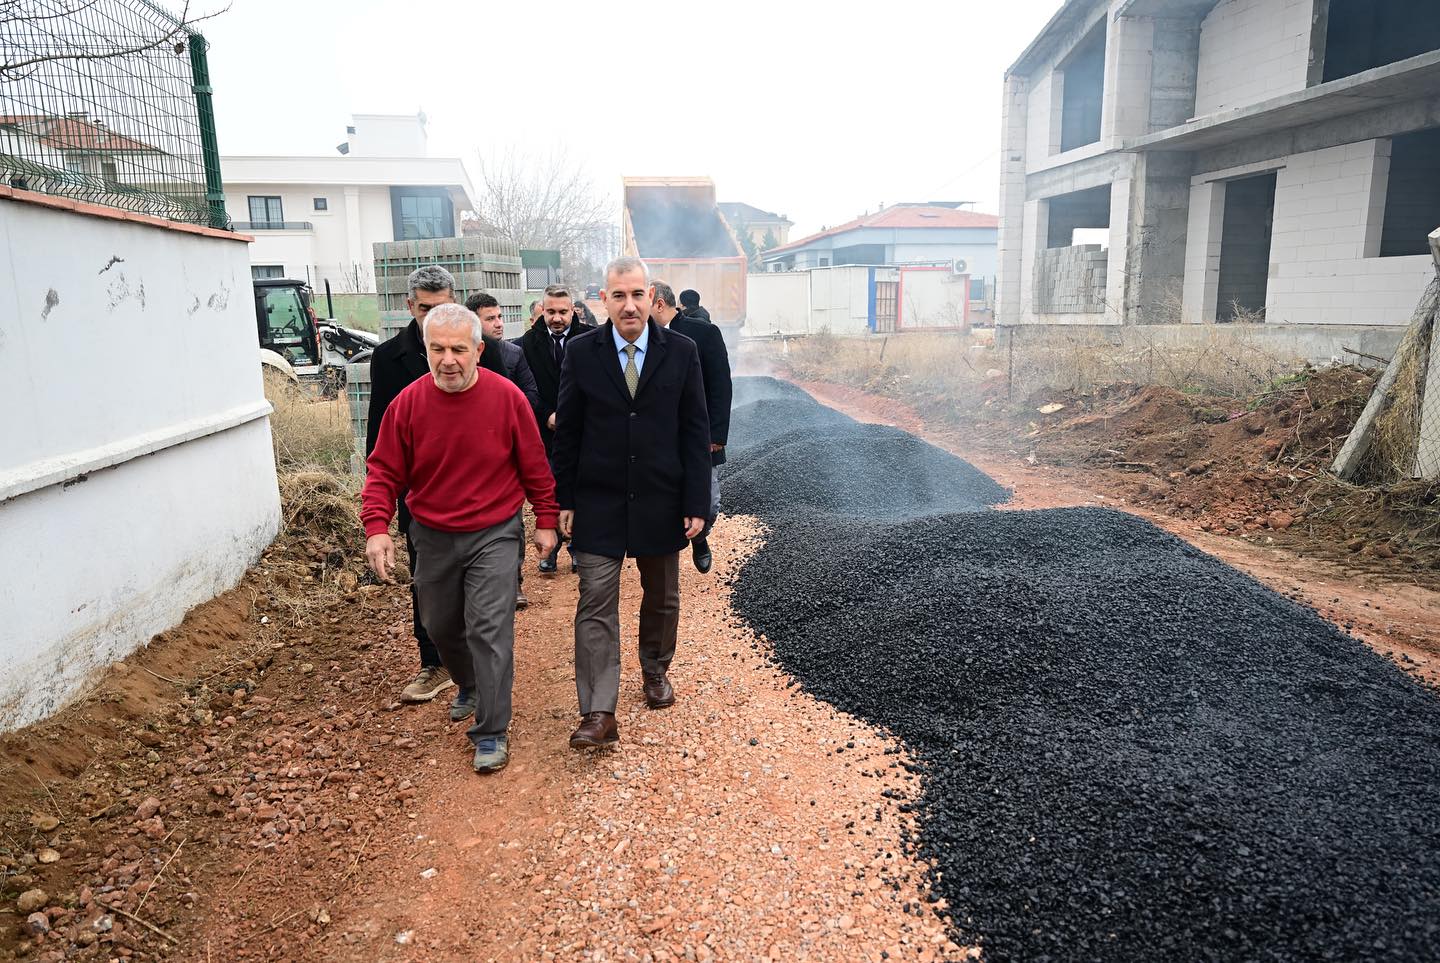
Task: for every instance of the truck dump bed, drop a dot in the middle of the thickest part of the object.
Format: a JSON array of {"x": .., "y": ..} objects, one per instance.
[{"x": 672, "y": 223}]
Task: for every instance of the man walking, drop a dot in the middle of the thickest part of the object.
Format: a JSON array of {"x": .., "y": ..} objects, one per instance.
[
  {"x": 510, "y": 355},
  {"x": 463, "y": 445},
  {"x": 715, "y": 364},
  {"x": 394, "y": 365},
  {"x": 544, "y": 346},
  {"x": 690, "y": 305},
  {"x": 632, "y": 475},
  {"x": 509, "y": 360}
]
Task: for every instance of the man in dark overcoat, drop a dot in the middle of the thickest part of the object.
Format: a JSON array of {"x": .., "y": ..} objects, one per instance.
[
  {"x": 632, "y": 473},
  {"x": 715, "y": 364}
]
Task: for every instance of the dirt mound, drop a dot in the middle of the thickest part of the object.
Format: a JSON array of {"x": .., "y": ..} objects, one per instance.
[{"x": 1251, "y": 467}]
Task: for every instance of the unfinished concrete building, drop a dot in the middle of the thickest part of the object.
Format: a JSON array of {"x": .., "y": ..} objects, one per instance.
[{"x": 1182, "y": 161}]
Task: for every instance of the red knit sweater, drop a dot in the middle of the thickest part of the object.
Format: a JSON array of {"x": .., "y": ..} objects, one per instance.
[{"x": 468, "y": 460}]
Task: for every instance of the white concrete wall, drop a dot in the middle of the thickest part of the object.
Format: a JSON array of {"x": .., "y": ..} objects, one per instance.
[
  {"x": 1252, "y": 50},
  {"x": 340, "y": 237},
  {"x": 932, "y": 299},
  {"x": 1042, "y": 126},
  {"x": 1329, "y": 208},
  {"x": 136, "y": 478},
  {"x": 777, "y": 303},
  {"x": 840, "y": 300}
]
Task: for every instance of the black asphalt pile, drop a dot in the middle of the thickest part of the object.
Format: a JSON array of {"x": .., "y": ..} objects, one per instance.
[
  {"x": 897, "y": 475},
  {"x": 1128, "y": 750},
  {"x": 763, "y": 408}
]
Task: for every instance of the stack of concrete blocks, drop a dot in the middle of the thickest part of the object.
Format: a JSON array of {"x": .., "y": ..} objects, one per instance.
[
  {"x": 488, "y": 264},
  {"x": 1071, "y": 280}
]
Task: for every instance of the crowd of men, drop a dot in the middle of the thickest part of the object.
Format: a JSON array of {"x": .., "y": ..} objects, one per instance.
[{"x": 612, "y": 432}]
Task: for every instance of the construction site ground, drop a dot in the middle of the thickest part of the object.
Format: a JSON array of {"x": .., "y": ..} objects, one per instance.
[{"x": 245, "y": 787}]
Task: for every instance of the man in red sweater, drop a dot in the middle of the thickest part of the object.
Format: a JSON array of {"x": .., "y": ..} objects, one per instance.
[{"x": 463, "y": 443}]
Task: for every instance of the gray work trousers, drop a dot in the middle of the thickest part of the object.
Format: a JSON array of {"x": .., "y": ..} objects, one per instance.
[
  {"x": 465, "y": 582},
  {"x": 597, "y": 624}
]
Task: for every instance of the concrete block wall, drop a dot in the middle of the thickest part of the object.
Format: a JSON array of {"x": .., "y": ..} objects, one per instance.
[
  {"x": 1071, "y": 280},
  {"x": 1252, "y": 50},
  {"x": 1324, "y": 263}
]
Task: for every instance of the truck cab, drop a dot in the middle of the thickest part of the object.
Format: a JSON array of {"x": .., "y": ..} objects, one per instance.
[{"x": 286, "y": 323}]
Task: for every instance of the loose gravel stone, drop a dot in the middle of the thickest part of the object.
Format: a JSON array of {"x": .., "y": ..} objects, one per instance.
[{"x": 1129, "y": 750}]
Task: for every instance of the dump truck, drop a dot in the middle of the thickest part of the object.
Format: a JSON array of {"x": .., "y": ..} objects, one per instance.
[{"x": 673, "y": 225}]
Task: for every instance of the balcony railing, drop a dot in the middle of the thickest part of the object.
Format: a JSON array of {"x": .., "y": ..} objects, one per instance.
[{"x": 247, "y": 226}]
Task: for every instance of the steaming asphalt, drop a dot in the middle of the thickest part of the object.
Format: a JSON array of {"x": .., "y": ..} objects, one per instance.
[{"x": 1128, "y": 749}]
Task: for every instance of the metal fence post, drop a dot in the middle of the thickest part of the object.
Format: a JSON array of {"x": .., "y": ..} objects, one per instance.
[{"x": 205, "y": 109}]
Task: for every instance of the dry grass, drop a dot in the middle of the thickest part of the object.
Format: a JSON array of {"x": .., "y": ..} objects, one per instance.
[
  {"x": 1224, "y": 360},
  {"x": 308, "y": 433},
  {"x": 321, "y": 558}
]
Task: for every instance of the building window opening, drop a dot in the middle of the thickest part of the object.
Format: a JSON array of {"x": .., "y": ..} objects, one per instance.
[
  {"x": 1080, "y": 218},
  {"x": 1363, "y": 34},
  {"x": 262, "y": 271},
  {"x": 1083, "y": 91},
  {"x": 1412, "y": 194},
  {"x": 1245, "y": 248},
  {"x": 322, "y": 203}
]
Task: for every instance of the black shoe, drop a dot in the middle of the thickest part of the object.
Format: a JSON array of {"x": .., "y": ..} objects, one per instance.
[
  {"x": 574, "y": 565},
  {"x": 700, "y": 549},
  {"x": 547, "y": 564}
]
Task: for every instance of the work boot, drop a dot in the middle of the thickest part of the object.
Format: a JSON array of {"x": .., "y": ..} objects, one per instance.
[
  {"x": 464, "y": 705},
  {"x": 596, "y": 730},
  {"x": 431, "y": 681},
  {"x": 521, "y": 602},
  {"x": 700, "y": 549},
  {"x": 658, "y": 693},
  {"x": 491, "y": 753}
]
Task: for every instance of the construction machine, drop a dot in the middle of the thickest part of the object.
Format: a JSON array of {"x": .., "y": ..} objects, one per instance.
[{"x": 299, "y": 345}]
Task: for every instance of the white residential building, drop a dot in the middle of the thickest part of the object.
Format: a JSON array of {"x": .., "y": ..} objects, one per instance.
[
  {"x": 315, "y": 218},
  {"x": 1203, "y": 160}
]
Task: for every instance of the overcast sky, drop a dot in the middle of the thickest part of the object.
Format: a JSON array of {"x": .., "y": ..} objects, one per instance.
[{"x": 816, "y": 111}]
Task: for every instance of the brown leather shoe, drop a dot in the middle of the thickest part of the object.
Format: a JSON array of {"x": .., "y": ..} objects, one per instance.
[
  {"x": 658, "y": 693},
  {"x": 596, "y": 730}
]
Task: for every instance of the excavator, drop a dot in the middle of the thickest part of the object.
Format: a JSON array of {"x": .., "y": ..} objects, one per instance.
[{"x": 299, "y": 346}]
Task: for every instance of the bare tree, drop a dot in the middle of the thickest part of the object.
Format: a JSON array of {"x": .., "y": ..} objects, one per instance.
[
  {"x": 36, "y": 32},
  {"x": 544, "y": 202}
]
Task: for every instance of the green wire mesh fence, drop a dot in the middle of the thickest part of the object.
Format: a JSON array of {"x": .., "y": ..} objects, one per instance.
[{"x": 108, "y": 101}]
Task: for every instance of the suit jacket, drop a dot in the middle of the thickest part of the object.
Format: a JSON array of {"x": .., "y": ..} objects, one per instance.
[
  {"x": 536, "y": 345},
  {"x": 715, "y": 363},
  {"x": 517, "y": 369},
  {"x": 632, "y": 469},
  {"x": 394, "y": 365}
]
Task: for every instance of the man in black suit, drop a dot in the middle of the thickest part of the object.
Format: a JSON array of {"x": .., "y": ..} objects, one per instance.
[
  {"x": 715, "y": 363},
  {"x": 394, "y": 365},
  {"x": 545, "y": 345},
  {"x": 632, "y": 473},
  {"x": 510, "y": 356}
]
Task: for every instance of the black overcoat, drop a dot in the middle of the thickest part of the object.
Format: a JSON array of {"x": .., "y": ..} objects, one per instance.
[
  {"x": 715, "y": 363},
  {"x": 631, "y": 469},
  {"x": 536, "y": 345}
]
